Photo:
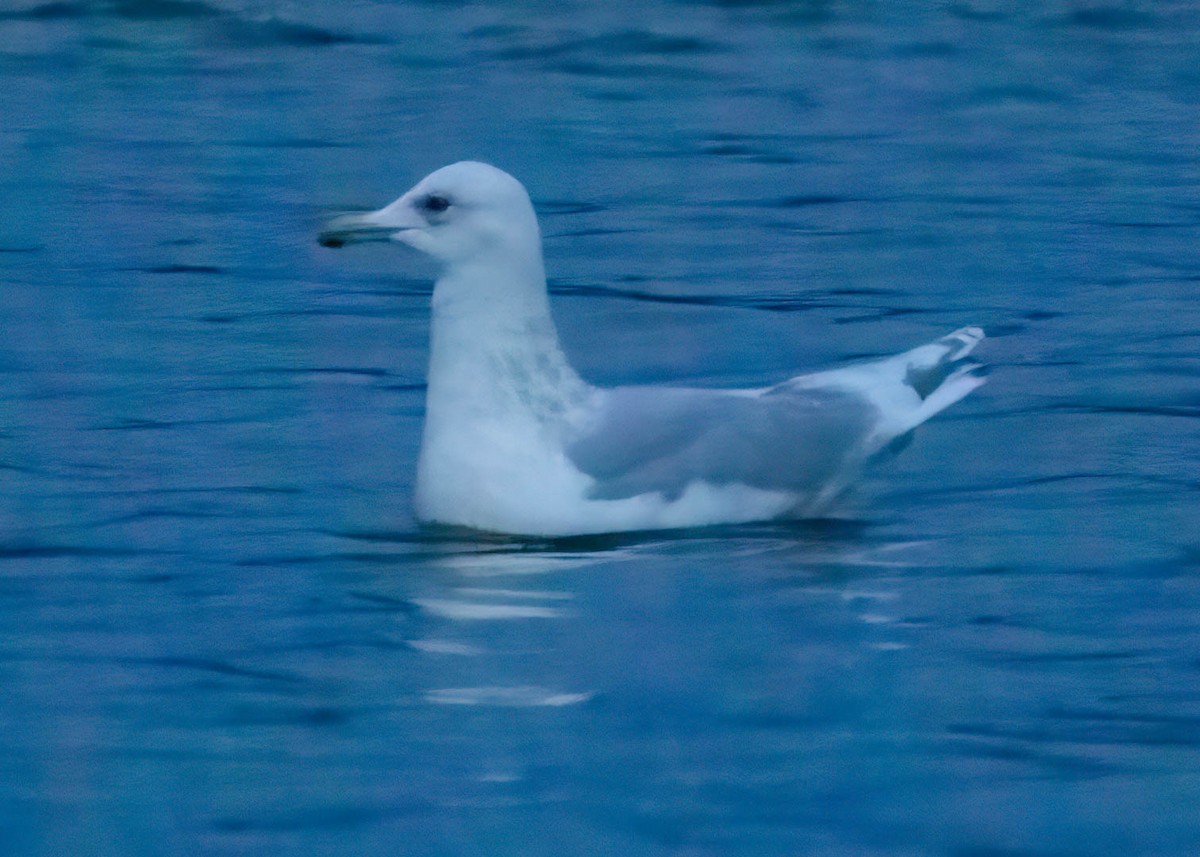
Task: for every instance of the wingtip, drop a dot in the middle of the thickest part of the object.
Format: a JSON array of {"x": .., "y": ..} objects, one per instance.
[{"x": 963, "y": 341}]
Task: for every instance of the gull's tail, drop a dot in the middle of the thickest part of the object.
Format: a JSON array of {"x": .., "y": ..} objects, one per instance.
[
  {"x": 940, "y": 373},
  {"x": 907, "y": 389}
]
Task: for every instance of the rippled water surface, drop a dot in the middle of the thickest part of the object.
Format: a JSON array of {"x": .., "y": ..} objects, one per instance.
[{"x": 223, "y": 632}]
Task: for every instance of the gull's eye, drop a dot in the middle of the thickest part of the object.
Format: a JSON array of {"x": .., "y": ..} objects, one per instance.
[{"x": 434, "y": 203}]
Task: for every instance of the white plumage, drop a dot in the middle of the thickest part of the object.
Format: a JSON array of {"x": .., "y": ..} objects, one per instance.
[{"x": 515, "y": 442}]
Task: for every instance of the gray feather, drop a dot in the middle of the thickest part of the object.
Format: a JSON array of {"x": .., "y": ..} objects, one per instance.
[{"x": 662, "y": 439}]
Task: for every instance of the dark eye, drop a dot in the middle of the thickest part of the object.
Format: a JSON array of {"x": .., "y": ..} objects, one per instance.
[{"x": 435, "y": 204}]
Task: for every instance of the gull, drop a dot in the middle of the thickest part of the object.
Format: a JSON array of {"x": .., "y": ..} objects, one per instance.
[{"x": 515, "y": 442}]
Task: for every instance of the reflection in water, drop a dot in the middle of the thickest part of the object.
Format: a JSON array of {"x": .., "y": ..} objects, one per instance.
[
  {"x": 515, "y": 696},
  {"x": 460, "y": 609},
  {"x": 534, "y": 597},
  {"x": 456, "y": 603}
]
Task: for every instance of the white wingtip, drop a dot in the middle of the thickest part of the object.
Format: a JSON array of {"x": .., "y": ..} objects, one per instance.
[
  {"x": 943, "y": 355},
  {"x": 965, "y": 338},
  {"x": 956, "y": 386}
]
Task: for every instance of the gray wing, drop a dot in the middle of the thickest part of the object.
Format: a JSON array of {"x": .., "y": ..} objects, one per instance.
[{"x": 647, "y": 439}]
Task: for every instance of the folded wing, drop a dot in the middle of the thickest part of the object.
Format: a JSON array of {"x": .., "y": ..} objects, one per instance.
[
  {"x": 809, "y": 435},
  {"x": 662, "y": 439}
]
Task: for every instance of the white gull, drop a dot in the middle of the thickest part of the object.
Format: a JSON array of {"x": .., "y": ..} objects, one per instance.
[{"x": 516, "y": 442}]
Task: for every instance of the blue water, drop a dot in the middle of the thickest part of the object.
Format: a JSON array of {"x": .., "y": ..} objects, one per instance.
[{"x": 224, "y": 633}]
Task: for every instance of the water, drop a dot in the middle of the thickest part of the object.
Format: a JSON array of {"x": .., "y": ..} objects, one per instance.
[{"x": 225, "y": 634}]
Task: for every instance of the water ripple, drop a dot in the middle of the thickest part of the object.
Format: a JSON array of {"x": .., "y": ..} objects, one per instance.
[
  {"x": 475, "y": 610},
  {"x": 514, "y": 697}
]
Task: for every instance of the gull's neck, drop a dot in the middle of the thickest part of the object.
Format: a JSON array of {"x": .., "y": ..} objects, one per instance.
[
  {"x": 493, "y": 345},
  {"x": 501, "y": 396}
]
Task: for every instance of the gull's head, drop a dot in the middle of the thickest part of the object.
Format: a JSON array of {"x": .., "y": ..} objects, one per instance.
[{"x": 457, "y": 214}]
